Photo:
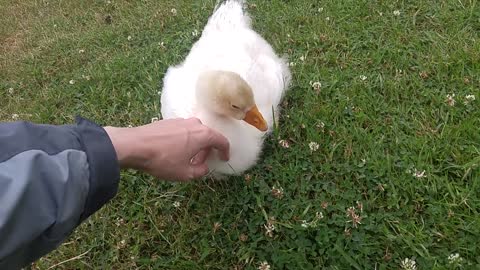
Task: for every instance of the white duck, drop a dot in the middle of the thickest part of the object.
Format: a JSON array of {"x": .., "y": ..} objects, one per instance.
[{"x": 231, "y": 80}]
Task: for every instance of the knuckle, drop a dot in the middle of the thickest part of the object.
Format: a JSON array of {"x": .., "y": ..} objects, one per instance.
[
  {"x": 207, "y": 132},
  {"x": 227, "y": 144},
  {"x": 203, "y": 132},
  {"x": 195, "y": 120}
]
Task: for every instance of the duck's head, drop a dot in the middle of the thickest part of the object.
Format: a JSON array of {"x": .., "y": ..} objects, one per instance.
[{"x": 227, "y": 94}]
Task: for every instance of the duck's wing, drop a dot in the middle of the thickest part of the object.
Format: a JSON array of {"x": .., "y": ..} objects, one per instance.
[
  {"x": 178, "y": 94},
  {"x": 269, "y": 77}
]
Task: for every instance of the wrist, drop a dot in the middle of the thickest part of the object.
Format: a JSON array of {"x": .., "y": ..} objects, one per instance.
[{"x": 122, "y": 144}]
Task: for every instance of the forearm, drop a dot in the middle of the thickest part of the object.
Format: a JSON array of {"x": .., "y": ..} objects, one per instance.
[{"x": 51, "y": 179}]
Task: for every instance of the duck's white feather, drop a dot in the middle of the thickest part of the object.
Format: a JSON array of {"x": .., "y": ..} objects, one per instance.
[{"x": 228, "y": 43}]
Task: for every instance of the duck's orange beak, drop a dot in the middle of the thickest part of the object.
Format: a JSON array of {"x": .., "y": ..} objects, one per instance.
[{"x": 255, "y": 118}]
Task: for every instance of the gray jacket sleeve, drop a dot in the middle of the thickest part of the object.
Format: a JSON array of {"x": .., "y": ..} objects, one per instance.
[{"x": 51, "y": 179}]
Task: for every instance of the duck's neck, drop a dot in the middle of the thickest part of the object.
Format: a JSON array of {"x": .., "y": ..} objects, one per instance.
[
  {"x": 205, "y": 113},
  {"x": 208, "y": 94},
  {"x": 212, "y": 119}
]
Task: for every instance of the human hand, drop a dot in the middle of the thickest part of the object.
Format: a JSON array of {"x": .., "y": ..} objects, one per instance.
[{"x": 173, "y": 149}]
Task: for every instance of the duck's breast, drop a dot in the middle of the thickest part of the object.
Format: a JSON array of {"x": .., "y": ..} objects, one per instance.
[{"x": 245, "y": 144}]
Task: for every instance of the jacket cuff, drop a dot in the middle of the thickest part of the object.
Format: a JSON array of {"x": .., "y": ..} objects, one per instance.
[{"x": 103, "y": 165}]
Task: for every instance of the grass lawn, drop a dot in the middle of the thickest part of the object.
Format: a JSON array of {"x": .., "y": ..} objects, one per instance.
[{"x": 396, "y": 174}]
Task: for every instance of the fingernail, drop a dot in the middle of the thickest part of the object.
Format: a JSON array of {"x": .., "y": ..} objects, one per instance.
[{"x": 193, "y": 161}]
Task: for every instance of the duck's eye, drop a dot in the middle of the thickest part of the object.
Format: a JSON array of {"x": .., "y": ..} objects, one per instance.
[{"x": 235, "y": 107}]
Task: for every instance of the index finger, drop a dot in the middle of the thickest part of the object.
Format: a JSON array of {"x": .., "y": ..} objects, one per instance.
[{"x": 219, "y": 142}]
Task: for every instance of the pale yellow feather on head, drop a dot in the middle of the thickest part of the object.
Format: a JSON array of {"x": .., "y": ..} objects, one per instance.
[{"x": 227, "y": 94}]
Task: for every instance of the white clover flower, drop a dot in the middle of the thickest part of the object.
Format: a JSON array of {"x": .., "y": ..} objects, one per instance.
[
  {"x": 269, "y": 229},
  {"x": 450, "y": 100},
  {"x": 303, "y": 58},
  {"x": 313, "y": 146},
  {"x": 15, "y": 116},
  {"x": 321, "y": 125},
  {"x": 304, "y": 224},
  {"x": 121, "y": 244},
  {"x": 408, "y": 264},
  {"x": 327, "y": 18},
  {"x": 216, "y": 226},
  {"x": 264, "y": 266},
  {"x": 350, "y": 211},
  {"x": 119, "y": 222},
  {"x": 10, "y": 90},
  {"x": 314, "y": 222},
  {"x": 455, "y": 259},
  {"x": 277, "y": 192},
  {"x": 396, "y": 12},
  {"x": 468, "y": 99},
  {"x": 320, "y": 9},
  {"x": 284, "y": 143},
  {"x": 129, "y": 38},
  {"x": 292, "y": 64},
  {"x": 176, "y": 204},
  {"x": 316, "y": 85},
  {"x": 419, "y": 174},
  {"x": 174, "y": 11},
  {"x": 195, "y": 33},
  {"x": 71, "y": 82},
  {"x": 355, "y": 219},
  {"x": 363, "y": 77}
]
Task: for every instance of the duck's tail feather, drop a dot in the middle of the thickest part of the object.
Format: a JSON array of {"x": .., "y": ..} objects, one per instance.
[{"x": 228, "y": 15}]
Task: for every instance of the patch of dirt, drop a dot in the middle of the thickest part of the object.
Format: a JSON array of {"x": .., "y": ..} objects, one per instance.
[{"x": 12, "y": 43}]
